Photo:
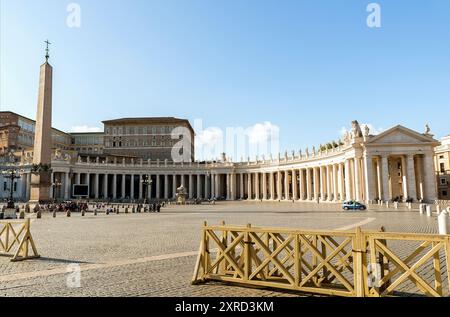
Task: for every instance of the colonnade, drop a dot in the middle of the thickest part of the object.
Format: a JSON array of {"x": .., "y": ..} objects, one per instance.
[{"x": 362, "y": 178}]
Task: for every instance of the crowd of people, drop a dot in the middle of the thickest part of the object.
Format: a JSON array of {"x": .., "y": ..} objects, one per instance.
[{"x": 73, "y": 206}]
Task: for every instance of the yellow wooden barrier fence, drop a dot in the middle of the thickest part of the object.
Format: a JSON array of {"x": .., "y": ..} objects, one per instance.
[
  {"x": 338, "y": 263},
  {"x": 16, "y": 239}
]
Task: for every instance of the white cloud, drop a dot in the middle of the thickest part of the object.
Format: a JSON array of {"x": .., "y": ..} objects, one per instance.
[
  {"x": 85, "y": 128},
  {"x": 209, "y": 137},
  {"x": 262, "y": 132}
]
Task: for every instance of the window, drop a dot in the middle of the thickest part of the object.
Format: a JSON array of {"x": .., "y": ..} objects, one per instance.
[
  {"x": 443, "y": 181},
  {"x": 444, "y": 193},
  {"x": 441, "y": 156},
  {"x": 442, "y": 168}
]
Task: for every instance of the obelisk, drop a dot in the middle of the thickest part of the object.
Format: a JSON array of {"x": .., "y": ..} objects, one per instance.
[{"x": 41, "y": 179}]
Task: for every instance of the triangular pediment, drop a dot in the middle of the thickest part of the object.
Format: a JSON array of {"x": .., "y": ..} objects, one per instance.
[{"x": 401, "y": 135}]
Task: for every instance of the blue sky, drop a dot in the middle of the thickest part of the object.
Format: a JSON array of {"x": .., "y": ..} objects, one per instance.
[{"x": 309, "y": 67}]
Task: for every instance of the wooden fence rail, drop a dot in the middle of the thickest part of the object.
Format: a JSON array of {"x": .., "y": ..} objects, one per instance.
[
  {"x": 16, "y": 239},
  {"x": 338, "y": 263}
]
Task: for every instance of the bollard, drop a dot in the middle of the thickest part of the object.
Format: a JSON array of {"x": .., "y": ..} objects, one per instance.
[
  {"x": 126, "y": 210},
  {"x": 117, "y": 211},
  {"x": 422, "y": 209},
  {"x": 38, "y": 215},
  {"x": 444, "y": 223},
  {"x": 54, "y": 214},
  {"x": 429, "y": 211},
  {"x": 68, "y": 214},
  {"x": 438, "y": 210},
  {"x": 107, "y": 211},
  {"x": 134, "y": 210},
  {"x": 396, "y": 205},
  {"x": 409, "y": 206},
  {"x": 95, "y": 212},
  {"x": 387, "y": 204},
  {"x": 83, "y": 213}
]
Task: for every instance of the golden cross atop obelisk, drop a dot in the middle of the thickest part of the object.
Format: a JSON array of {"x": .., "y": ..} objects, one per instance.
[{"x": 47, "y": 56}]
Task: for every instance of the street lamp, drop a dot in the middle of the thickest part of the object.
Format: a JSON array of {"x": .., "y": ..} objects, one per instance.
[
  {"x": 12, "y": 174},
  {"x": 147, "y": 183}
]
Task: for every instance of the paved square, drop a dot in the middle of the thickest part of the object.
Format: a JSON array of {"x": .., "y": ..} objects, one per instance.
[{"x": 152, "y": 254}]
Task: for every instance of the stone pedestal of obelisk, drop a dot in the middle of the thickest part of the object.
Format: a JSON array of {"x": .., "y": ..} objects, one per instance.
[{"x": 41, "y": 182}]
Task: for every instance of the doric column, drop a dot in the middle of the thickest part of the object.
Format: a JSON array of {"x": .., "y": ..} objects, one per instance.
[
  {"x": 213, "y": 186},
  {"x": 115, "y": 186},
  {"x": 279, "y": 186},
  {"x": 96, "y": 185},
  {"x": 208, "y": 189},
  {"x": 329, "y": 183},
  {"x": 286, "y": 186},
  {"x": 249, "y": 186},
  {"x": 341, "y": 182},
  {"x": 233, "y": 186},
  {"x": 404, "y": 178},
  {"x": 272, "y": 185},
  {"x": 257, "y": 191},
  {"x": 28, "y": 188},
  {"x": 357, "y": 179},
  {"x": 123, "y": 194},
  {"x": 264, "y": 186},
  {"x": 174, "y": 185},
  {"x": 217, "y": 183},
  {"x": 105, "y": 186},
  {"x": 316, "y": 173},
  {"x": 429, "y": 178},
  {"x": 419, "y": 171},
  {"x": 228, "y": 186},
  {"x": 132, "y": 186},
  {"x": 294, "y": 184},
  {"x": 411, "y": 177},
  {"x": 370, "y": 187},
  {"x": 66, "y": 186},
  {"x": 158, "y": 186},
  {"x": 335, "y": 183},
  {"x": 322, "y": 183},
  {"x": 301, "y": 185},
  {"x": 199, "y": 187},
  {"x": 379, "y": 179},
  {"x": 309, "y": 189},
  {"x": 241, "y": 185},
  {"x": 348, "y": 181},
  {"x": 149, "y": 187},
  {"x": 166, "y": 186},
  {"x": 191, "y": 186},
  {"x": 140, "y": 186},
  {"x": 385, "y": 177}
]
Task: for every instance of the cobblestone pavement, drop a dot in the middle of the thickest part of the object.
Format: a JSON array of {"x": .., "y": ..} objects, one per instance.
[{"x": 154, "y": 254}]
